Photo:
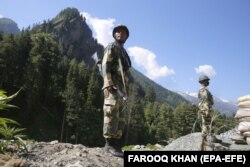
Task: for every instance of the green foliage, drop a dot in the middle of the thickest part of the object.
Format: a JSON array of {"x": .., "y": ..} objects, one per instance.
[
  {"x": 221, "y": 123},
  {"x": 128, "y": 147},
  {"x": 18, "y": 144},
  {"x": 74, "y": 97},
  {"x": 4, "y": 99},
  {"x": 136, "y": 129},
  {"x": 184, "y": 116},
  {"x": 9, "y": 133},
  {"x": 150, "y": 95},
  {"x": 151, "y": 147},
  {"x": 12, "y": 136},
  {"x": 9, "y": 61},
  {"x": 164, "y": 124}
]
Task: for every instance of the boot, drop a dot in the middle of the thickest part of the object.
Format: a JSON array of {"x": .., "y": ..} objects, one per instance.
[
  {"x": 118, "y": 143},
  {"x": 112, "y": 148}
]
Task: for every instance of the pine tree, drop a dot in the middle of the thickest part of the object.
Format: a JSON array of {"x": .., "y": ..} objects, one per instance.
[
  {"x": 150, "y": 95},
  {"x": 92, "y": 119},
  {"x": 39, "y": 85},
  {"x": 185, "y": 117},
  {"x": 136, "y": 130},
  {"x": 164, "y": 124},
  {"x": 73, "y": 103},
  {"x": 8, "y": 62}
]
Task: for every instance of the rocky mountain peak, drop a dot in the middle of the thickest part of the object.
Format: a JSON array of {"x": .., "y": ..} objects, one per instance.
[
  {"x": 8, "y": 26},
  {"x": 73, "y": 34}
]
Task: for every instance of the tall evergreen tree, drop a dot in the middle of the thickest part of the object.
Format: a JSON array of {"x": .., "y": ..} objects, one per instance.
[
  {"x": 73, "y": 102},
  {"x": 185, "y": 117},
  {"x": 8, "y": 62},
  {"x": 39, "y": 84},
  {"x": 92, "y": 119},
  {"x": 150, "y": 95},
  {"x": 24, "y": 45},
  {"x": 165, "y": 124},
  {"x": 136, "y": 120}
]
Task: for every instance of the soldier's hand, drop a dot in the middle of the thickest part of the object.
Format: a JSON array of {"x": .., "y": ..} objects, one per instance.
[
  {"x": 206, "y": 113},
  {"x": 112, "y": 89}
]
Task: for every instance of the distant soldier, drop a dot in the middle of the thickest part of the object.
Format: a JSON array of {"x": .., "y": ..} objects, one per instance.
[
  {"x": 205, "y": 105},
  {"x": 115, "y": 71}
]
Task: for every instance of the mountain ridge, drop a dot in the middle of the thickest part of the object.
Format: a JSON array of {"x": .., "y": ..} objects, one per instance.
[
  {"x": 223, "y": 106},
  {"x": 7, "y": 25},
  {"x": 81, "y": 45}
]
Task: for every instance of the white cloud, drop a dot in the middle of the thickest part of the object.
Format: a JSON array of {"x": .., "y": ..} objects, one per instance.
[
  {"x": 1, "y": 16},
  {"x": 206, "y": 69},
  {"x": 102, "y": 28},
  {"x": 147, "y": 60}
]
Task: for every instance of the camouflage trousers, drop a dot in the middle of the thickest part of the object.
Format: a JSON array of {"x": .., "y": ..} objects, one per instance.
[
  {"x": 114, "y": 118},
  {"x": 206, "y": 127}
]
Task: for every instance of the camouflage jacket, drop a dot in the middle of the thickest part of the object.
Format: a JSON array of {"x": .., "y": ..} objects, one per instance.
[
  {"x": 110, "y": 66},
  {"x": 205, "y": 99}
]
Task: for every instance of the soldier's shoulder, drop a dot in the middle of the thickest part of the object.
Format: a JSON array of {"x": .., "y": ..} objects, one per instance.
[
  {"x": 109, "y": 47},
  {"x": 202, "y": 90},
  {"x": 112, "y": 45}
]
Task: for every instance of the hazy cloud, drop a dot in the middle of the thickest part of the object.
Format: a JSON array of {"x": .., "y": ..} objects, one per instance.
[
  {"x": 147, "y": 60},
  {"x": 206, "y": 69},
  {"x": 1, "y": 16},
  {"x": 102, "y": 28}
]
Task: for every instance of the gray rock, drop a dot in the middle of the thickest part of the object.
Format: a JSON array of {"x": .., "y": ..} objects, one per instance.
[
  {"x": 192, "y": 141},
  {"x": 239, "y": 147},
  {"x": 56, "y": 154},
  {"x": 186, "y": 143}
]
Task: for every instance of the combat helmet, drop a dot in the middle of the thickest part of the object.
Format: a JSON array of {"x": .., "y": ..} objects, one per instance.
[
  {"x": 121, "y": 26},
  {"x": 203, "y": 78}
]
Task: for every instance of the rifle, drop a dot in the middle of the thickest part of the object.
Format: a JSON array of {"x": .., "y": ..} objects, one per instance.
[
  {"x": 196, "y": 108},
  {"x": 122, "y": 99}
]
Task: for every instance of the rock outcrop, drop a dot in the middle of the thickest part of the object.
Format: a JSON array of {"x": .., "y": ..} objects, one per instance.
[
  {"x": 55, "y": 154},
  {"x": 192, "y": 141},
  {"x": 73, "y": 34},
  {"x": 8, "y": 26}
]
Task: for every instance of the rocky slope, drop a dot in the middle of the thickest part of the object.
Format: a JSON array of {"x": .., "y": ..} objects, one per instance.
[{"x": 54, "y": 154}]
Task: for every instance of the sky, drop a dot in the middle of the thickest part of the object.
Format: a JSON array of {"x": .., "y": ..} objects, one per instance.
[{"x": 172, "y": 42}]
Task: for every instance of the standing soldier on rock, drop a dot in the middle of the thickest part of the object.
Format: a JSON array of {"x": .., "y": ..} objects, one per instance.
[
  {"x": 205, "y": 106},
  {"x": 115, "y": 71}
]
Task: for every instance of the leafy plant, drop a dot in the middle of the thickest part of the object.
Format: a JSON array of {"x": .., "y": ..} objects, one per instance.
[
  {"x": 11, "y": 132},
  {"x": 11, "y": 135}
]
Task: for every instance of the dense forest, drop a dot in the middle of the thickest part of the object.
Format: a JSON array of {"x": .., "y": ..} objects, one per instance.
[{"x": 61, "y": 97}]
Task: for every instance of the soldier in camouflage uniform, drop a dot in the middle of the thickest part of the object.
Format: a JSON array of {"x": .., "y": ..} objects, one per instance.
[
  {"x": 115, "y": 71},
  {"x": 205, "y": 105}
]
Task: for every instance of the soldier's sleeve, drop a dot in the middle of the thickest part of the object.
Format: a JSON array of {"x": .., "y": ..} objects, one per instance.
[
  {"x": 211, "y": 98},
  {"x": 204, "y": 103},
  {"x": 207, "y": 103},
  {"x": 106, "y": 67}
]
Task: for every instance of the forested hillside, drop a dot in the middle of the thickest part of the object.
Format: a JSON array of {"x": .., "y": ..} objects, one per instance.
[{"x": 61, "y": 97}]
